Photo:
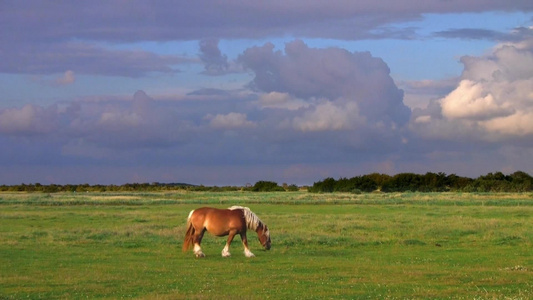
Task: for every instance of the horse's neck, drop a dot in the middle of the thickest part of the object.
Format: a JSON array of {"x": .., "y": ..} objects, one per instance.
[
  {"x": 252, "y": 220},
  {"x": 259, "y": 226}
]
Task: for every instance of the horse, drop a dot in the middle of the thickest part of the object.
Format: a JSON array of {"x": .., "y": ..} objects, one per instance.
[{"x": 221, "y": 222}]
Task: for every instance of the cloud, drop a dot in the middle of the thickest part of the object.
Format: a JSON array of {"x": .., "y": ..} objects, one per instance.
[
  {"x": 137, "y": 123},
  {"x": 266, "y": 125},
  {"x": 334, "y": 74},
  {"x": 507, "y": 62},
  {"x": 339, "y": 19},
  {"x": 493, "y": 101},
  {"x": 230, "y": 121},
  {"x": 328, "y": 116},
  {"x": 28, "y": 120},
  {"x": 471, "y": 101},
  {"x": 303, "y": 109},
  {"x": 215, "y": 62},
  {"x": 517, "y": 124},
  {"x": 281, "y": 101},
  {"x": 470, "y": 34},
  {"x": 44, "y": 58},
  {"x": 517, "y": 34},
  {"x": 419, "y": 92},
  {"x": 66, "y": 79}
]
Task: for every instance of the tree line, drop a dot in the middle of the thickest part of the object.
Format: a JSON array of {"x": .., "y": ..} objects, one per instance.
[
  {"x": 260, "y": 186},
  {"x": 404, "y": 182},
  {"x": 430, "y": 182}
]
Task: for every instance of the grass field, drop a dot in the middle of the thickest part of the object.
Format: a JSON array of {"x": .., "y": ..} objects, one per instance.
[{"x": 341, "y": 246}]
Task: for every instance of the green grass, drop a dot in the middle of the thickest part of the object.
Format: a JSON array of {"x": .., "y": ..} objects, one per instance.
[{"x": 342, "y": 246}]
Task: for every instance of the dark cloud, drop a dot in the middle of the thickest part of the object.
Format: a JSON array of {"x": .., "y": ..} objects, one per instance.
[
  {"x": 83, "y": 58},
  {"x": 214, "y": 61},
  {"x": 209, "y": 92},
  {"x": 119, "y": 21},
  {"x": 30, "y": 120},
  {"x": 517, "y": 34},
  {"x": 334, "y": 74},
  {"x": 470, "y": 34}
]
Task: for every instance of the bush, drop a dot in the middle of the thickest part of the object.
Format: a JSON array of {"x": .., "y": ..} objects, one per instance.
[
  {"x": 292, "y": 188},
  {"x": 266, "y": 186}
]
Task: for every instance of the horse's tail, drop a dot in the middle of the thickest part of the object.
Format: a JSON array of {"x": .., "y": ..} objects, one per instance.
[{"x": 188, "y": 241}]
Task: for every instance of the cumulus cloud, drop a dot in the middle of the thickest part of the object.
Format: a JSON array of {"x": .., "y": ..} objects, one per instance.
[
  {"x": 135, "y": 123},
  {"x": 230, "y": 121},
  {"x": 67, "y": 78},
  {"x": 328, "y": 116},
  {"x": 493, "y": 100},
  {"x": 334, "y": 74},
  {"x": 517, "y": 124},
  {"x": 28, "y": 120},
  {"x": 471, "y": 101},
  {"x": 215, "y": 62},
  {"x": 281, "y": 101},
  {"x": 120, "y": 117}
]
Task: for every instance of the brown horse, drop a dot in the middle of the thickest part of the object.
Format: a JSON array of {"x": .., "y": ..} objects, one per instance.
[{"x": 222, "y": 222}]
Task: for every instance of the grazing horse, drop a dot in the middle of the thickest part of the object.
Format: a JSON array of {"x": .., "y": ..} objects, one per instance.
[{"x": 222, "y": 222}]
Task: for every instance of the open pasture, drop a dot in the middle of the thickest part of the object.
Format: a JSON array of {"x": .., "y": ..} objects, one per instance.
[{"x": 342, "y": 246}]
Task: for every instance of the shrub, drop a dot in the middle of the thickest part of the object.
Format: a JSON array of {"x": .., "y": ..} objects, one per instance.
[{"x": 266, "y": 186}]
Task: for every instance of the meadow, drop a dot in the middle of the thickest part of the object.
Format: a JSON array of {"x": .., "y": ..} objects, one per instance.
[{"x": 324, "y": 246}]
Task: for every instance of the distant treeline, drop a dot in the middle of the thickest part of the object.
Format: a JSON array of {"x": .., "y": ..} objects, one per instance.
[
  {"x": 430, "y": 182},
  {"x": 404, "y": 182},
  {"x": 260, "y": 186},
  {"x": 82, "y": 188}
]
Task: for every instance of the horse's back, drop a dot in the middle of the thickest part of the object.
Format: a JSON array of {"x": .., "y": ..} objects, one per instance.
[
  {"x": 204, "y": 212},
  {"x": 218, "y": 221}
]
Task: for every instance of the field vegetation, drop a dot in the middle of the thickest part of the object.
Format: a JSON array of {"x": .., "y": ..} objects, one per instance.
[{"x": 393, "y": 245}]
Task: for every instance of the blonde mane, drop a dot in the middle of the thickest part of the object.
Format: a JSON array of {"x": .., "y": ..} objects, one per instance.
[{"x": 252, "y": 220}]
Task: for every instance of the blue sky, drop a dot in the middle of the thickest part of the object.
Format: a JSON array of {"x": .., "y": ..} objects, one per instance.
[{"x": 235, "y": 92}]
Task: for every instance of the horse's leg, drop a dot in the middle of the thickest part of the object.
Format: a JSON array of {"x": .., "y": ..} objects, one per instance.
[
  {"x": 225, "y": 251},
  {"x": 247, "y": 251},
  {"x": 197, "y": 241}
]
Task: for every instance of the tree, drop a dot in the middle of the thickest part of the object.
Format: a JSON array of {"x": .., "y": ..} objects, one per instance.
[
  {"x": 325, "y": 186},
  {"x": 266, "y": 186}
]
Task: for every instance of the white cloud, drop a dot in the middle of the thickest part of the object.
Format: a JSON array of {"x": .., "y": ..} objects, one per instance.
[
  {"x": 328, "y": 116},
  {"x": 520, "y": 123},
  {"x": 492, "y": 102},
  {"x": 423, "y": 119},
  {"x": 230, "y": 121},
  {"x": 127, "y": 119},
  {"x": 470, "y": 100},
  {"x": 282, "y": 101},
  {"x": 66, "y": 79}
]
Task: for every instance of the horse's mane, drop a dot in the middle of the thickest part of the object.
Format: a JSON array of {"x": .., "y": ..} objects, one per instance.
[{"x": 252, "y": 220}]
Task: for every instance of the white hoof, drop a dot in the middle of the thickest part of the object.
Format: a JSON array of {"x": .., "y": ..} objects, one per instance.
[{"x": 199, "y": 254}]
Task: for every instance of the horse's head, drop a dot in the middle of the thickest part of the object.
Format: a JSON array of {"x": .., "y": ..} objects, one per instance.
[{"x": 264, "y": 236}]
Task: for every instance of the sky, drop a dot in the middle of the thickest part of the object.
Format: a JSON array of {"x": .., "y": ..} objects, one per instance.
[{"x": 233, "y": 92}]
